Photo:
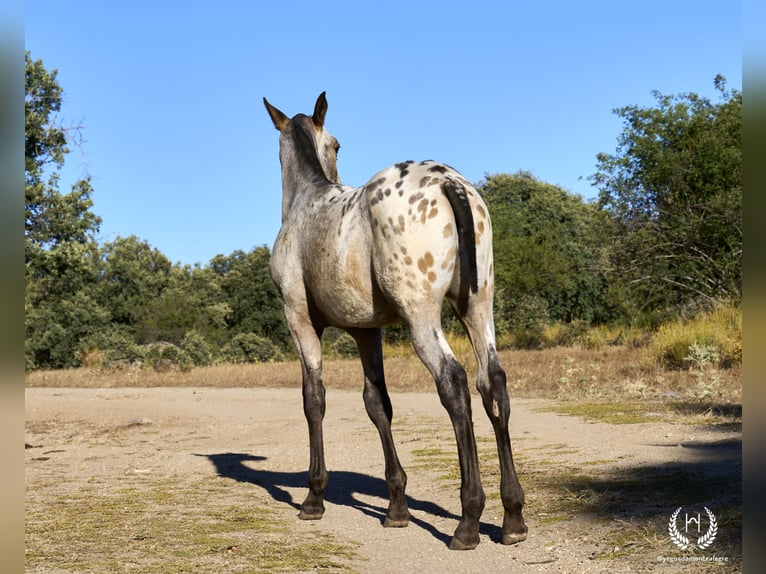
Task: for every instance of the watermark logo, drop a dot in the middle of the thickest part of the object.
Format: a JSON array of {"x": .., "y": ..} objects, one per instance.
[{"x": 691, "y": 526}]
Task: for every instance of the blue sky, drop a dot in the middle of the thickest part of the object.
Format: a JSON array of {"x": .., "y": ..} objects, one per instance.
[{"x": 182, "y": 153}]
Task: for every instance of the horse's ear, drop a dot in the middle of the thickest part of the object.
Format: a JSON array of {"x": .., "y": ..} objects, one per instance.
[
  {"x": 280, "y": 120},
  {"x": 320, "y": 109}
]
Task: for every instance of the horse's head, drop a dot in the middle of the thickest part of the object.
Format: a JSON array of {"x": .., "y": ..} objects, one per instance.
[{"x": 325, "y": 146}]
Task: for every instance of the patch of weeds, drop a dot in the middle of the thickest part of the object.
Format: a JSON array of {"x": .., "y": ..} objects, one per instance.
[
  {"x": 546, "y": 519},
  {"x": 631, "y": 537},
  {"x": 169, "y": 527},
  {"x": 694, "y": 413},
  {"x": 438, "y": 460},
  {"x": 615, "y": 413}
]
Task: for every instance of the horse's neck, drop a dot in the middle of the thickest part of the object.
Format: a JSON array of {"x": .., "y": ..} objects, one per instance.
[
  {"x": 297, "y": 191},
  {"x": 298, "y": 180}
]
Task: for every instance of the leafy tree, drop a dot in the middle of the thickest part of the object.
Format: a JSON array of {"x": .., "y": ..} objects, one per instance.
[
  {"x": 52, "y": 219},
  {"x": 191, "y": 302},
  {"x": 60, "y": 250},
  {"x": 253, "y": 300},
  {"x": 674, "y": 189},
  {"x": 549, "y": 250},
  {"x": 134, "y": 275}
]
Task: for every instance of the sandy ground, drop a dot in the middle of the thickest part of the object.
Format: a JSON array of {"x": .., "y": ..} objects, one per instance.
[{"x": 259, "y": 437}]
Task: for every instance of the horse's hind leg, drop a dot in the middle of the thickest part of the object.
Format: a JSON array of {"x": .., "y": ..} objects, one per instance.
[
  {"x": 452, "y": 384},
  {"x": 494, "y": 394},
  {"x": 378, "y": 405}
]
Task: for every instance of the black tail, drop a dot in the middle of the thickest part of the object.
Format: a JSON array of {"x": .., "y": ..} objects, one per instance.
[{"x": 469, "y": 278}]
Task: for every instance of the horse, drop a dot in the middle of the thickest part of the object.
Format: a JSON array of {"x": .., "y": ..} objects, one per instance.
[{"x": 361, "y": 259}]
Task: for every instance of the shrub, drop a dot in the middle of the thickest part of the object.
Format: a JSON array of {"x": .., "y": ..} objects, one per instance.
[
  {"x": 198, "y": 349},
  {"x": 599, "y": 336},
  {"x": 250, "y": 348},
  {"x": 344, "y": 346},
  {"x": 573, "y": 332},
  {"x": 163, "y": 357},
  {"x": 529, "y": 316},
  {"x": 710, "y": 339},
  {"x": 109, "y": 349},
  {"x": 552, "y": 335}
]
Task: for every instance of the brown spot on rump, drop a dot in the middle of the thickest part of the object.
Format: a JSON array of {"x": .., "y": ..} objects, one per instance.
[
  {"x": 481, "y": 211},
  {"x": 378, "y": 197},
  {"x": 425, "y": 262},
  {"x": 398, "y": 184},
  {"x": 426, "y": 285},
  {"x": 449, "y": 260},
  {"x": 403, "y": 249},
  {"x": 422, "y": 207},
  {"x": 479, "y": 232},
  {"x": 447, "y": 231},
  {"x": 425, "y": 180},
  {"x": 408, "y": 260},
  {"x": 375, "y": 184},
  {"x": 398, "y": 227},
  {"x": 431, "y": 277},
  {"x": 415, "y": 197},
  {"x": 438, "y": 168},
  {"x": 433, "y": 213},
  {"x": 402, "y": 167}
]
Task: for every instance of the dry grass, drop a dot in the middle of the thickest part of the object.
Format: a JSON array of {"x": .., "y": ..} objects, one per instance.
[
  {"x": 571, "y": 373},
  {"x": 168, "y": 527}
]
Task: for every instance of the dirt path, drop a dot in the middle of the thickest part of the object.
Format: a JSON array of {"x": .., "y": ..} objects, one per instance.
[{"x": 599, "y": 496}]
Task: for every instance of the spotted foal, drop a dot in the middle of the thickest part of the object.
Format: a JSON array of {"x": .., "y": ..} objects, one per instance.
[{"x": 363, "y": 258}]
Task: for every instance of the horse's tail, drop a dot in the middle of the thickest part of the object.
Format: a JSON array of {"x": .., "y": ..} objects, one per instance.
[{"x": 458, "y": 199}]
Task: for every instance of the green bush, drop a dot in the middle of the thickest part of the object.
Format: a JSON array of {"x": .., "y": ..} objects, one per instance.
[
  {"x": 111, "y": 348},
  {"x": 198, "y": 349},
  {"x": 250, "y": 348},
  {"x": 345, "y": 346},
  {"x": 529, "y": 317},
  {"x": 165, "y": 357}
]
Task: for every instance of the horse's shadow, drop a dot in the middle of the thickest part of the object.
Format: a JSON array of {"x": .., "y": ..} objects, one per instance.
[{"x": 341, "y": 490}]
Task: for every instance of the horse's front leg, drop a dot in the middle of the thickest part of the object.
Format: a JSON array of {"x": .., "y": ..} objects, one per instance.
[
  {"x": 314, "y": 409},
  {"x": 307, "y": 339}
]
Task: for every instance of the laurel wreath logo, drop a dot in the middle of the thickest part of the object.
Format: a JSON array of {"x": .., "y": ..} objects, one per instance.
[
  {"x": 682, "y": 541},
  {"x": 707, "y": 539}
]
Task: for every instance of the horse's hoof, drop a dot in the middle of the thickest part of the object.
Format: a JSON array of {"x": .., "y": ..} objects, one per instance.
[
  {"x": 457, "y": 544},
  {"x": 391, "y": 523},
  {"x": 310, "y": 515},
  {"x": 514, "y": 538}
]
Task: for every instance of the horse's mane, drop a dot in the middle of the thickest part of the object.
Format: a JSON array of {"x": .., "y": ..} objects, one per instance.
[{"x": 305, "y": 150}]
